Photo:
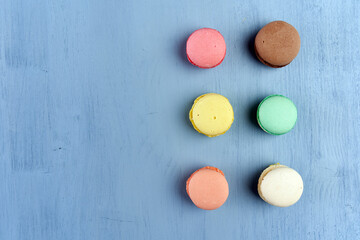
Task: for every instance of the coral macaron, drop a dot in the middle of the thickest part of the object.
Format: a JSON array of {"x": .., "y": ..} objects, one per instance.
[
  {"x": 207, "y": 188},
  {"x": 206, "y": 48}
]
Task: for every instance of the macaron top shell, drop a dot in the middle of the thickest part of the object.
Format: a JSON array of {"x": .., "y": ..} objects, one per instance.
[
  {"x": 280, "y": 186},
  {"x": 206, "y": 48},
  {"x": 211, "y": 114},
  {"x": 207, "y": 188},
  {"x": 277, "y": 44},
  {"x": 276, "y": 114}
]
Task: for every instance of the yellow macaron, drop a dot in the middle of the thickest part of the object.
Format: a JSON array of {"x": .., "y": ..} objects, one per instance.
[{"x": 211, "y": 114}]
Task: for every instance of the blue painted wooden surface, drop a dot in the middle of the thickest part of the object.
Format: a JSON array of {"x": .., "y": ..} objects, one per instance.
[{"x": 94, "y": 137}]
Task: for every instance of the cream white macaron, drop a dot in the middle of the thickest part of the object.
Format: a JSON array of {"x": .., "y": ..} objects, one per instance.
[{"x": 280, "y": 185}]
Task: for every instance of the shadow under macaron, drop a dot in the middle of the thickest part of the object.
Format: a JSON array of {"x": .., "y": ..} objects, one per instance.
[
  {"x": 250, "y": 45},
  {"x": 182, "y": 50},
  {"x": 253, "y": 182},
  {"x": 187, "y": 108},
  {"x": 253, "y": 179},
  {"x": 252, "y": 111},
  {"x": 182, "y": 182}
]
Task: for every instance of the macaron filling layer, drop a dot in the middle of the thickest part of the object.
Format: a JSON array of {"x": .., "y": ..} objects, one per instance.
[{"x": 211, "y": 114}]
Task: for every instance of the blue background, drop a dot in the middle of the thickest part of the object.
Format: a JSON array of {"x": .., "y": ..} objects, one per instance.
[{"x": 95, "y": 141}]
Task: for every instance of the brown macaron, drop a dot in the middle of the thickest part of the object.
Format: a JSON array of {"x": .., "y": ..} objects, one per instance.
[{"x": 277, "y": 44}]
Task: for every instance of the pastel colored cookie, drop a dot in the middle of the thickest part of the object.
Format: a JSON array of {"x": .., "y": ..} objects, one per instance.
[
  {"x": 276, "y": 114},
  {"x": 211, "y": 114},
  {"x": 277, "y": 44},
  {"x": 280, "y": 185},
  {"x": 206, "y": 48},
  {"x": 207, "y": 188}
]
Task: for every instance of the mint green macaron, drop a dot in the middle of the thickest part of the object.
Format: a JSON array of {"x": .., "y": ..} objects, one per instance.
[{"x": 276, "y": 114}]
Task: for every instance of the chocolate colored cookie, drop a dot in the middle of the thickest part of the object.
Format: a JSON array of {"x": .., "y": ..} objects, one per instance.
[{"x": 277, "y": 44}]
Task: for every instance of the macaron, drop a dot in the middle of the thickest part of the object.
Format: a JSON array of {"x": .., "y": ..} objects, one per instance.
[
  {"x": 211, "y": 114},
  {"x": 207, "y": 188},
  {"x": 206, "y": 48},
  {"x": 277, "y": 44},
  {"x": 280, "y": 185},
  {"x": 276, "y": 114}
]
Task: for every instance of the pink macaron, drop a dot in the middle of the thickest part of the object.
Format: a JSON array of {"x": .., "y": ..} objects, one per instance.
[{"x": 206, "y": 48}]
